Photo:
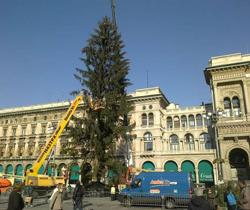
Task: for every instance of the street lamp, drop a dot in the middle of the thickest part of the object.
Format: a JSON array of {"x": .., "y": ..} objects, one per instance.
[{"x": 214, "y": 118}]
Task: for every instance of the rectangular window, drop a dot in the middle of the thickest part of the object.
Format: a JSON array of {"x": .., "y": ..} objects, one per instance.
[
  {"x": 14, "y": 131},
  {"x": 148, "y": 146},
  {"x": 43, "y": 129},
  {"x": 5, "y": 132},
  {"x": 33, "y": 130},
  {"x": 23, "y": 131}
]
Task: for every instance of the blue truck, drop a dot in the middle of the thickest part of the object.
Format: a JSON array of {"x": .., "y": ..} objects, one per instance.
[{"x": 170, "y": 189}]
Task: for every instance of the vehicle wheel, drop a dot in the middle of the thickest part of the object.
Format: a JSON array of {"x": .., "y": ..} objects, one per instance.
[
  {"x": 169, "y": 203},
  {"x": 127, "y": 201}
]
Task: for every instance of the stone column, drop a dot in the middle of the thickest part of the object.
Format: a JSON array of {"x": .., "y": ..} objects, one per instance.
[
  {"x": 246, "y": 98},
  {"x": 6, "y": 150},
  {"x": 214, "y": 95},
  {"x": 197, "y": 174},
  {"x": 37, "y": 149},
  {"x": 26, "y": 149},
  {"x": 16, "y": 149}
]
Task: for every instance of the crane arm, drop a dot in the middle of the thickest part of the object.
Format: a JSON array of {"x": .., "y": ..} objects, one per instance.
[{"x": 53, "y": 140}]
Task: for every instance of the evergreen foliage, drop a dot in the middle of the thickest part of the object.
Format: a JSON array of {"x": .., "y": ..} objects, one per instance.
[{"x": 105, "y": 79}]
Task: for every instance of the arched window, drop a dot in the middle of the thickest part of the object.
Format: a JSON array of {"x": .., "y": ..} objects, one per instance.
[
  {"x": 148, "y": 165},
  {"x": 188, "y": 166},
  {"x": 9, "y": 169},
  {"x": 205, "y": 170},
  {"x": 191, "y": 121},
  {"x": 189, "y": 140},
  {"x": 227, "y": 107},
  {"x": 150, "y": 119},
  {"x": 29, "y": 166},
  {"x": 205, "y": 142},
  {"x": 148, "y": 142},
  {"x": 174, "y": 142},
  {"x": 176, "y": 122},
  {"x": 199, "y": 120},
  {"x": 236, "y": 106},
  {"x": 169, "y": 123},
  {"x": 144, "y": 120},
  {"x": 171, "y": 166},
  {"x": 183, "y": 121},
  {"x": 74, "y": 173},
  {"x": 19, "y": 172}
]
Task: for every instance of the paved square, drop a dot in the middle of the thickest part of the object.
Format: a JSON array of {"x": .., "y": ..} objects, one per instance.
[{"x": 89, "y": 204}]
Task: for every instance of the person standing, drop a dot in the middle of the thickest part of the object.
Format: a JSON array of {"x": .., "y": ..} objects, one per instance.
[
  {"x": 198, "y": 202},
  {"x": 244, "y": 198},
  {"x": 78, "y": 196},
  {"x": 56, "y": 199},
  {"x": 15, "y": 199},
  {"x": 230, "y": 199}
]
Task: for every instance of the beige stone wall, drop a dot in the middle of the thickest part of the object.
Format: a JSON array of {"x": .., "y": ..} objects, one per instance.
[
  {"x": 229, "y": 76},
  {"x": 162, "y": 151},
  {"x": 32, "y": 128}
]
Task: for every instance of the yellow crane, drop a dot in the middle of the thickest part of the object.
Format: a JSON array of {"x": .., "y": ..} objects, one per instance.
[{"x": 32, "y": 178}]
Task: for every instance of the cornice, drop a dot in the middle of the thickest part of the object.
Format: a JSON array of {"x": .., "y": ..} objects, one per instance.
[
  {"x": 33, "y": 110},
  {"x": 228, "y": 67},
  {"x": 149, "y": 98}
]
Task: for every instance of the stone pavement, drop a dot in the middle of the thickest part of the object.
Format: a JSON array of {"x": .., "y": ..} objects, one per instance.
[{"x": 103, "y": 203}]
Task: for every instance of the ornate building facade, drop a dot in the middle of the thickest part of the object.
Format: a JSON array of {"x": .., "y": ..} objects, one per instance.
[
  {"x": 209, "y": 141},
  {"x": 229, "y": 80},
  {"x": 23, "y": 133},
  {"x": 170, "y": 138}
]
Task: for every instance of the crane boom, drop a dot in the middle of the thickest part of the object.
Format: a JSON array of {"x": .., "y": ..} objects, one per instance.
[{"x": 54, "y": 138}]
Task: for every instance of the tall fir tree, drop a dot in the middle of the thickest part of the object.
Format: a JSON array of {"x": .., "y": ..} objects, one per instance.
[{"x": 105, "y": 79}]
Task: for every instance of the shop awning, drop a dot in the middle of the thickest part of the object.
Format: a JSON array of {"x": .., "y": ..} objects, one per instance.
[
  {"x": 171, "y": 166},
  {"x": 188, "y": 166},
  {"x": 9, "y": 169},
  {"x": 148, "y": 166},
  {"x": 205, "y": 172},
  {"x": 74, "y": 172},
  {"x": 19, "y": 170}
]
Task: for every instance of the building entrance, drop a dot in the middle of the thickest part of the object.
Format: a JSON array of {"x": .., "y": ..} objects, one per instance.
[{"x": 239, "y": 163}]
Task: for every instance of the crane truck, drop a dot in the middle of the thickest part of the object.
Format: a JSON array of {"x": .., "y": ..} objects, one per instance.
[{"x": 35, "y": 180}]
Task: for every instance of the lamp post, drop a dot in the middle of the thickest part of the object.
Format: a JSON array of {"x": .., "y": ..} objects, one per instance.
[{"x": 214, "y": 118}]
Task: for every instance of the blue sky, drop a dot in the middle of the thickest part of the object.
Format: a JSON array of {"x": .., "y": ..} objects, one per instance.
[{"x": 172, "y": 40}]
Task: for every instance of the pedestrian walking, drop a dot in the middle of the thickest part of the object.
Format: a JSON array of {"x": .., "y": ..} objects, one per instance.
[
  {"x": 56, "y": 199},
  {"x": 78, "y": 196},
  {"x": 244, "y": 198},
  {"x": 211, "y": 198},
  {"x": 112, "y": 193},
  {"x": 230, "y": 199},
  {"x": 198, "y": 202},
  {"x": 15, "y": 199}
]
